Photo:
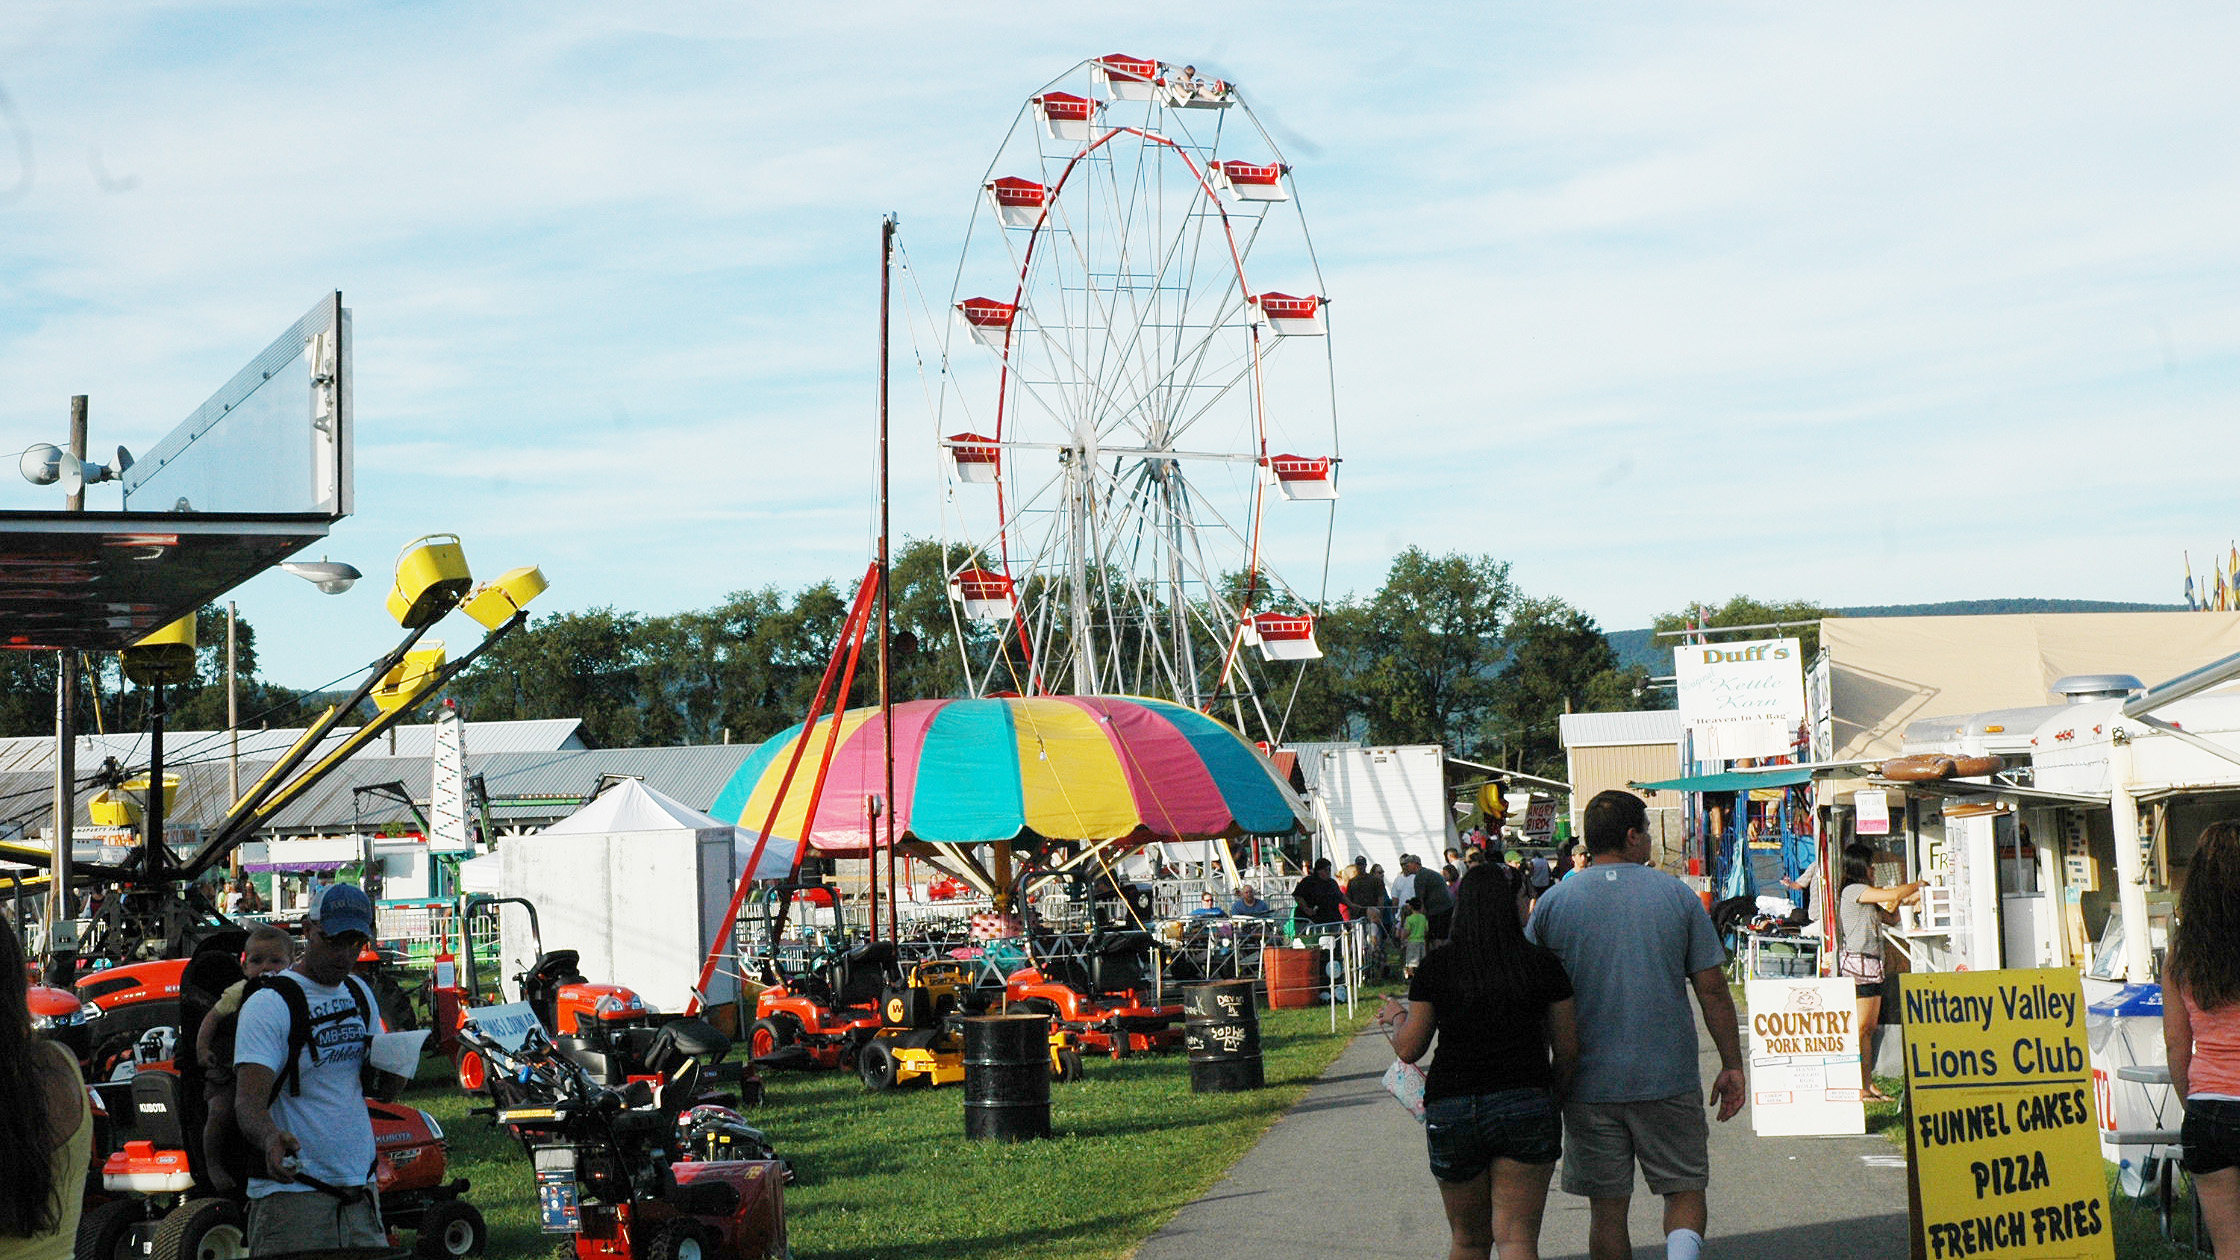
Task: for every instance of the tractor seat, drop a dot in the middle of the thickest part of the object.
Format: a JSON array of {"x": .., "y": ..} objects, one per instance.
[
  {"x": 685, "y": 1040},
  {"x": 1110, "y": 943}
]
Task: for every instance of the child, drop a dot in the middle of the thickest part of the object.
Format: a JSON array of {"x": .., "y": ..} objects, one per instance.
[
  {"x": 269, "y": 950},
  {"x": 1415, "y": 937}
]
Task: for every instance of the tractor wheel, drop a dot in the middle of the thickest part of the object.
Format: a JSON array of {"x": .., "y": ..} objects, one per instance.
[
  {"x": 202, "y": 1229},
  {"x": 450, "y": 1229},
  {"x": 474, "y": 1074},
  {"x": 677, "y": 1239},
  {"x": 771, "y": 1035},
  {"x": 1068, "y": 1066},
  {"x": 878, "y": 1067},
  {"x": 105, "y": 1232}
]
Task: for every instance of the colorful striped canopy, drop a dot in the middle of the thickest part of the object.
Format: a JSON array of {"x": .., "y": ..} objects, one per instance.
[{"x": 983, "y": 771}]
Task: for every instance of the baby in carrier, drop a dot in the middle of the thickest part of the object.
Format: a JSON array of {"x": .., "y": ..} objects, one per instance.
[{"x": 269, "y": 950}]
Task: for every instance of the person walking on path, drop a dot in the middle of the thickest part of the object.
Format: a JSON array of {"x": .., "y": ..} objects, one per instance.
[
  {"x": 1429, "y": 888},
  {"x": 1634, "y": 942},
  {"x": 298, "y": 1097},
  {"x": 1861, "y": 910},
  {"x": 2201, "y": 1028},
  {"x": 1501, "y": 1010}
]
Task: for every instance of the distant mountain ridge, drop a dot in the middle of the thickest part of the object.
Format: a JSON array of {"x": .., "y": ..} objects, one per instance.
[{"x": 1640, "y": 647}]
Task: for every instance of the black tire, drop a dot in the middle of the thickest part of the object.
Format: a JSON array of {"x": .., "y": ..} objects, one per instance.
[
  {"x": 105, "y": 1232},
  {"x": 202, "y": 1229},
  {"x": 450, "y": 1229},
  {"x": 678, "y": 1239},
  {"x": 782, "y": 1031},
  {"x": 878, "y": 1067},
  {"x": 395, "y": 1005},
  {"x": 1069, "y": 1064}
]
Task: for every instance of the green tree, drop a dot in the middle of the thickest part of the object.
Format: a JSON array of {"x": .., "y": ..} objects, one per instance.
[
  {"x": 1558, "y": 661},
  {"x": 1433, "y": 648},
  {"x": 1801, "y": 619}
]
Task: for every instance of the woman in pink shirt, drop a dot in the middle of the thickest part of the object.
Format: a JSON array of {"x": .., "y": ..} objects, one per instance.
[{"x": 2201, "y": 1027}]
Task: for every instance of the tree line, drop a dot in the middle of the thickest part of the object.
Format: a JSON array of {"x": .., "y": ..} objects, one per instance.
[{"x": 1447, "y": 650}]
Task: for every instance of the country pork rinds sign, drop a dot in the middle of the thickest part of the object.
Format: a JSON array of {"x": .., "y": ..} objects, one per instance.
[
  {"x": 2002, "y": 1131},
  {"x": 1804, "y": 1057}
]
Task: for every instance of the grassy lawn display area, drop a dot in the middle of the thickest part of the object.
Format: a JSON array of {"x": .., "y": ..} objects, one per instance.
[{"x": 880, "y": 1171}]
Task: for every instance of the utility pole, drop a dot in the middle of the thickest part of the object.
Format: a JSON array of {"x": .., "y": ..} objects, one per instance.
[
  {"x": 62, "y": 947},
  {"x": 886, "y": 586},
  {"x": 233, "y": 736}
]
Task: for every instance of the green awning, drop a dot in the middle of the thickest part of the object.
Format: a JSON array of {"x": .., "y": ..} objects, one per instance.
[{"x": 1732, "y": 781}]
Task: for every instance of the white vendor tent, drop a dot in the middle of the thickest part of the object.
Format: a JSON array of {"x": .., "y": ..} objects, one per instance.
[{"x": 636, "y": 882}]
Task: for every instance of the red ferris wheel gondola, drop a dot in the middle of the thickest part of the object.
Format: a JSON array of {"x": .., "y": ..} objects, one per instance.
[
  {"x": 986, "y": 596},
  {"x": 1250, "y": 181},
  {"x": 1066, "y": 116},
  {"x": 1018, "y": 202},
  {"x": 988, "y": 319},
  {"x": 1125, "y": 78},
  {"x": 1291, "y": 316},
  {"x": 1284, "y": 636},
  {"x": 975, "y": 459},
  {"x": 1301, "y": 478}
]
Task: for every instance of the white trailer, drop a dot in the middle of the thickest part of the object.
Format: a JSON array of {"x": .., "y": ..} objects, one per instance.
[{"x": 1379, "y": 803}]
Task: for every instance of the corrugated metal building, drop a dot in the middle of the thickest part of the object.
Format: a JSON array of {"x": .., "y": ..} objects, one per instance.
[{"x": 1611, "y": 750}]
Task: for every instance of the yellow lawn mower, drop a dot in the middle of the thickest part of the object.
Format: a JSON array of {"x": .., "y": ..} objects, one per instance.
[{"x": 920, "y": 1038}]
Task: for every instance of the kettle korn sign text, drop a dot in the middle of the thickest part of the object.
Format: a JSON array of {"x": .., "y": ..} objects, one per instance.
[
  {"x": 1741, "y": 699},
  {"x": 2000, "y": 1116}
]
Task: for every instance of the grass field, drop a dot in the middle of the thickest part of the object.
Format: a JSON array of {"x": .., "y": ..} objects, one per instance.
[{"x": 878, "y": 1171}]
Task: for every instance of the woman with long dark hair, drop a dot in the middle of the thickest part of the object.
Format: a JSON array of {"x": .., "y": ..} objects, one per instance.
[
  {"x": 2201, "y": 1027},
  {"x": 1861, "y": 910},
  {"x": 44, "y": 1137},
  {"x": 1500, "y": 1009}
]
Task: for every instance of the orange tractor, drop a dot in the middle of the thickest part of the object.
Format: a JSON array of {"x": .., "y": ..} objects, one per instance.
[
  {"x": 1107, "y": 994},
  {"x": 823, "y": 1016}
]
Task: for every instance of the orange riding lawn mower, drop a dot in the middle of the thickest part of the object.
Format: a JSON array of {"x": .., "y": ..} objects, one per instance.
[
  {"x": 608, "y": 1030},
  {"x": 1105, "y": 992},
  {"x": 858, "y": 1007}
]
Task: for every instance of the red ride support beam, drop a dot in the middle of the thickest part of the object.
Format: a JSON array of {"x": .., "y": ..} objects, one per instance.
[{"x": 857, "y": 614}]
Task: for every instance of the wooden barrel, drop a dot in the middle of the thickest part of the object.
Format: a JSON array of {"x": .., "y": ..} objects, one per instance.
[
  {"x": 1221, "y": 1036},
  {"x": 1007, "y": 1077},
  {"x": 1294, "y": 977}
]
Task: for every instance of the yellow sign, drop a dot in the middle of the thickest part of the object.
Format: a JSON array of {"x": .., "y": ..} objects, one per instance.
[{"x": 1999, "y": 1107}]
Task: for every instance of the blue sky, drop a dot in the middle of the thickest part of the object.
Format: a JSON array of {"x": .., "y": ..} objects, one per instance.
[{"x": 1910, "y": 303}]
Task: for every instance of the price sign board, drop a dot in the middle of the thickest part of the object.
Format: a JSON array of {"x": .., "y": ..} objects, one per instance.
[
  {"x": 1804, "y": 1057},
  {"x": 2001, "y": 1130}
]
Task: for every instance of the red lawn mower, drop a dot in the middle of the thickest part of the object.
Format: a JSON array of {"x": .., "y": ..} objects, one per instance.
[
  {"x": 1107, "y": 997},
  {"x": 822, "y": 1016},
  {"x": 606, "y": 1029},
  {"x": 646, "y": 1170}
]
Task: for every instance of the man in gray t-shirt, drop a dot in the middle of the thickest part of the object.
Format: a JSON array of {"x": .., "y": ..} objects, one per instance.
[{"x": 1635, "y": 941}]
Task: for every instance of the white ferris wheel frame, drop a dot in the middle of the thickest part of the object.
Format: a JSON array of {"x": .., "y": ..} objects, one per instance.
[{"x": 1104, "y": 496}]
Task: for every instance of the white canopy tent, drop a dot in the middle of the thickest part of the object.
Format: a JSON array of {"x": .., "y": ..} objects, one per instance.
[{"x": 635, "y": 881}]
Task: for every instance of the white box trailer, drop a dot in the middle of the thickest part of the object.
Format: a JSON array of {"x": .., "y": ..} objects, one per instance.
[
  {"x": 1379, "y": 803},
  {"x": 641, "y": 908}
]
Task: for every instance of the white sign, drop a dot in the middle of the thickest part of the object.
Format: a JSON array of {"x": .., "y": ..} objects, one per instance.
[
  {"x": 507, "y": 1025},
  {"x": 1871, "y": 811},
  {"x": 1741, "y": 699},
  {"x": 1804, "y": 1057}
]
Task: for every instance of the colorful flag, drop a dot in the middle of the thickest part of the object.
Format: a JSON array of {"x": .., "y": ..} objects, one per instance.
[
  {"x": 2191, "y": 602},
  {"x": 2219, "y": 602}
]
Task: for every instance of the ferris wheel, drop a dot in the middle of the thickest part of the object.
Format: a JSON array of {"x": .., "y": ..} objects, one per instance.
[{"x": 1136, "y": 406}]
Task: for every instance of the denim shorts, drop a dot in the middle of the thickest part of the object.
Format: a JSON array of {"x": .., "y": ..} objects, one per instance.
[
  {"x": 2211, "y": 1136},
  {"x": 1467, "y": 1133}
]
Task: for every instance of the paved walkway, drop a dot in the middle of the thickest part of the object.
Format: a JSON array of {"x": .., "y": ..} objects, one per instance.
[{"x": 1343, "y": 1175}]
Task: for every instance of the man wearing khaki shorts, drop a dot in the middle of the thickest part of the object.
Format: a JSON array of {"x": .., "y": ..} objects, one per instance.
[{"x": 1634, "y": 942}]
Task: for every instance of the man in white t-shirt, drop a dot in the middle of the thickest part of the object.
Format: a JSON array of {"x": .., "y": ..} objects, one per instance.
[{"x": 309, "y": 1118}]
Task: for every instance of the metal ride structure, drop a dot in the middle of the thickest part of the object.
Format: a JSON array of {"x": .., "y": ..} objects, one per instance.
[{"x": 1136, "y": 403}]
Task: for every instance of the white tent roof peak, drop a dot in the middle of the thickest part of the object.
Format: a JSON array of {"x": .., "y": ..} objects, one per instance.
[{"x": 632, "y": 806}]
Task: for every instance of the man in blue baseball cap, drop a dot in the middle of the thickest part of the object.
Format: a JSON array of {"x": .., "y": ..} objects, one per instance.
[{"x": 298, "y": 1053}]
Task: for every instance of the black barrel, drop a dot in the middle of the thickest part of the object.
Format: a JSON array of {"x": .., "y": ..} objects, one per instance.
[
  {"x": 1007, "y": 1077},
  {"x": 1221, "y": 1035}
]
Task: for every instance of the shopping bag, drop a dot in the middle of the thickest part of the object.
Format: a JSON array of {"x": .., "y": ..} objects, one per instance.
[{"x": 1404, "y": 1081}]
